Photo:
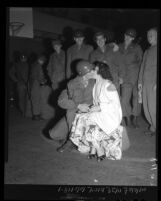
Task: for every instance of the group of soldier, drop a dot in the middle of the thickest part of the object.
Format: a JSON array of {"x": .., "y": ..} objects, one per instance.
[{"x": 132, "y": 74}]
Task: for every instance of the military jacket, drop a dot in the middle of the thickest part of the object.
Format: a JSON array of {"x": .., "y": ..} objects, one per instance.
[
  {"x": 21, "y": 72},
  {"x": 74, "y": 53},
  {"x": 37, "y": 73},
  {"x": 148, "y": 71},
  {"x": 109, "y": 57},
  {"x": 76, "y": 93},
  {"x": 130, "y": 61},
  {"x": 56, "y": 66}
]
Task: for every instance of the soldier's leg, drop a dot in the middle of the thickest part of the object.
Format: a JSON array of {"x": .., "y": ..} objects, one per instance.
[
  {"x": 21, "y": 97},
  {"x": 68, "y": 145},
  {"x": 126, "y": 93},
  {"x": 136, "y": 110},
  {"x": 152, "y": 107},
  {"x": 35, "y": 96},
  {"x": 145, "y": 104},
  {"x": 60, "y": 130},
  {"x": 146, "y": 107},
  {"x": 70, "y": 117}
]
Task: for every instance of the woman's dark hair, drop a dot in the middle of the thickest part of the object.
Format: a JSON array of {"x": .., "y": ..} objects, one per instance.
[{"x": 104, "y": 70}]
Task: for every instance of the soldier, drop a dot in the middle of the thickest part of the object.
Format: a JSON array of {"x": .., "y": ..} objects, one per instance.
[
  {"x": 78, "y": 51},
  {"x": 37, "y": 80},
  {"x": 19, "y": 74},
  {"x": 148, "y": 79},
  {"x": 107, "y": 53},
  {"x": 131, "y": 57},
  {"x": 56, "y": 66},
  {"x": 77, "y": 96}
]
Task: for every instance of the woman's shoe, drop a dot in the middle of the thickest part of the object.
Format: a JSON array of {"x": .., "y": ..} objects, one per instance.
[
  {"x": 91, "y": 156},
  {"x": 101, "y": 158}
]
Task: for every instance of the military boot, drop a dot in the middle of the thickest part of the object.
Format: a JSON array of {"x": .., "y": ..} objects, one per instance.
[{"x": 135, "y": 122}]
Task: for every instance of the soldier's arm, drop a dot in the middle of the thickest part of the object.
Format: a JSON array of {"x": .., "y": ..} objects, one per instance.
[
  {"x": 63, "y": 59},
  {"x": 49, "y": 67},
  {"x": 12, "y": 73},
  {"x": 121, "y": 66},
  {"x": 41, "y": 75},
  {"x": 90, "y": 51},
  {"x": 92, "y": 57},
  {"x": 139, "y": 55},
  {"x": 142, "y": 68},
  {"x": 65, "y": 102},
  {"x": 63, "y": 63},
  {"x": 68, "y": 69}
]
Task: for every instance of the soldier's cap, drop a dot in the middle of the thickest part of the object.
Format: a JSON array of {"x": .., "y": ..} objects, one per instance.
[
  {"x": 131, "y": 32},
  {"x": 99, "y": 33},
  {"x": 83, "y": 67},
  {"x": 78, "y": 34},
  {"x": 56, "y": 42}
]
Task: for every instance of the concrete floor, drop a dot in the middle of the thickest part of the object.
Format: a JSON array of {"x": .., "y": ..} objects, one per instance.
[{"x": 33, "y": 159}]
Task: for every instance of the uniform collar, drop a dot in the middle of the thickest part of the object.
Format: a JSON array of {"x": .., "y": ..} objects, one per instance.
[
  {"x": 76, "y": 46},
  {"x": 99, "y": 49}
]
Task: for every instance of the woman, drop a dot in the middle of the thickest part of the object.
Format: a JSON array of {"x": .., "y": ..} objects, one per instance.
[{"x": 97, "y": 130}]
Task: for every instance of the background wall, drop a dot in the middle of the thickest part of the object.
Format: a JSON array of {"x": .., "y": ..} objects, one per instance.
[
  {"x": 43, "y": 27},
  {"x": 24, "y": 15},
  {"x": 24, "y": 45}
]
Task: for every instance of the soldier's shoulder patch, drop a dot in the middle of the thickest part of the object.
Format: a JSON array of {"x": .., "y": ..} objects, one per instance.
[{"x": 111, "y": 87}]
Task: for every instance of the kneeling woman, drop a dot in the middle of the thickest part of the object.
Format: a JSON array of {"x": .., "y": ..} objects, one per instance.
[{"x": 97, "y": 131}]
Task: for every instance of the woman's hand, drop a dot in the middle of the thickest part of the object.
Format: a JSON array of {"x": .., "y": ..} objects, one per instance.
[
  {"x": 83, "y": 107},
  {"x": 95, "y": 109}
]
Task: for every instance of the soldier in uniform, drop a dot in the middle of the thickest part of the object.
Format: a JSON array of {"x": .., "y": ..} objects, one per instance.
[
  {"x": 78, "y": 51},
  {"x": 77, "y": 96},
  {"x": 131, "y": 57},
  {"x": 148, "y": 79},
  {"x": 19, "y": 74},
  {"x": 56, "y": 66},
  {"x": 37, "y": 80},
  {"x": 107, "y": 53}
]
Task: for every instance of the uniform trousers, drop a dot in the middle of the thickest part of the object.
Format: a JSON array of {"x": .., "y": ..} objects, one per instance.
[
  {"x": 129, "y": 100},
  {"x": 22, "y": 97},
  {"x": 149, "y": 104}
]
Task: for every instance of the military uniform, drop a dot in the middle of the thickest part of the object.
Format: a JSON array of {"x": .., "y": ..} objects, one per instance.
[
  {"x": 36, "y": 79},
  {"x": 20, "y": 71},
  {"x": 148, "y": 78},
  {"x": 69, "y": 99},
  {"x": 73, "y": 53},
  {"x": 56, "y": 68},
  {"x": 109, "y": 57},
  {"x": 130, "y": 60}
]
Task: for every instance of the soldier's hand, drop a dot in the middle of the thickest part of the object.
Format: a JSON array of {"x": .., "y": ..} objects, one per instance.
[
  {"x": 120, "y": 80},
  {"x": 83, "y": 107},
  {"x": 155, "y": 87},
  {"x": 116, "y": 47}
]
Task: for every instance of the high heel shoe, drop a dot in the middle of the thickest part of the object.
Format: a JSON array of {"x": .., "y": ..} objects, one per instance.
[
  {"x": 101, "y": 158},
  {"x": 91, "y": 156}
]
